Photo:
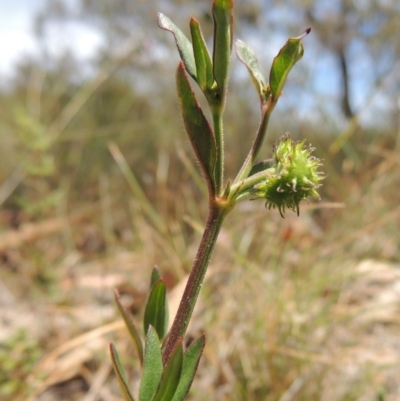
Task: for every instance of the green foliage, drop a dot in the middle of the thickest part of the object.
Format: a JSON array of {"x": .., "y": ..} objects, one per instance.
[
  {"x": 120, "y": 373},
  {"x": 18, "y": 356},
  {"x": 155, "y": 276},
  {"x": 222, "y": 12},
  {"x": 35, "y": 142},
  {"x": 248, "y": 57},
  {"x": 304, "y": 319},
  {"x": 159, "y": 382},
  {"x": 183, "y": 44},
  {"x": 152, "y": 366},
  {"x": 171, "y": 375},
  {"x": 288, "y": 56},
  {"x": 131, "y": 328},
  {"x": 205, "y": 77},
  {"x": 191, "y": 361},
  {"x": 156, "y": 312},
  {"x": 198, "y": 128},
  {"x": 168, "y": 371}
]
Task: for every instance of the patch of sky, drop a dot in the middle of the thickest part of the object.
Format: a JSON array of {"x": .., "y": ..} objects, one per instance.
[{"x": 15, "y": 32}]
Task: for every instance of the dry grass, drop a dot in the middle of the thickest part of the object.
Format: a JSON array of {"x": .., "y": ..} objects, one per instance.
[{"x": 305, "y": 308}]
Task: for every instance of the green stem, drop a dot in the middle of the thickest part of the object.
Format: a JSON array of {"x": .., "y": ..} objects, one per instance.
[
  {"x": 219, "y": 138},
  {"x": 255, "y": 149},
  {"x": 239, "y": 189},
  {"x": 196, "y": 277}
]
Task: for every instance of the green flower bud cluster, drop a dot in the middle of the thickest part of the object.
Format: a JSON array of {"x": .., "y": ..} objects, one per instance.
[{"x": 293, "y": 177}]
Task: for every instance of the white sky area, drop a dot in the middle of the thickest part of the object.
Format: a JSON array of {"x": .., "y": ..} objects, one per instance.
[
  {"x": 17, "y": 38},
  {"x": 15, "y": 31}
]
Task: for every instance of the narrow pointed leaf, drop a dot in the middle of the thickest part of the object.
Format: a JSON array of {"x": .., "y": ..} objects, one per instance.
[
  {"x": 120, "y": 373},
  {"x": 152, "y": 367},
  {"x": 182, "y": 42},
  {"x": 131, "y": 327},
  {"x": 171, "y": 375},
  {"x": 157, "y": 313},
  {"x": 261, "y": 166},
  {"x": 197, "y": 127},
  {"x": 227, "y": 189},
  {"x": 223, "y": 21},
  {"x": 204, "y": 69},
  {"x": 155, "y": 276},
  {"x": 287, "y": 57},
  {"x": 191, "y": 359},
  {"x": 247, "y": 56}
]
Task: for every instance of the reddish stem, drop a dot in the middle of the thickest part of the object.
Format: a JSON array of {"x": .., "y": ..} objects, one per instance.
[{"x": 215, "y": 218}]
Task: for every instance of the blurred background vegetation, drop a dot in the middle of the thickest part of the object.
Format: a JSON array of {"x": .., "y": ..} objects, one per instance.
[{"x": 98, "y": 184}]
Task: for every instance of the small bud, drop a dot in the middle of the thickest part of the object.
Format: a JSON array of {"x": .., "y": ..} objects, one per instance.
[{"x": 294, "y": 176}]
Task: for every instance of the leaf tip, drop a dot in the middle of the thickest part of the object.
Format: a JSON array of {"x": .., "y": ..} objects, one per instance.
[
  {"x": 113, "y": 352},
  {"x": 304, "y": 34},
  {"x": 160, "y": 20},
  {"x": 239, "y": 43}
]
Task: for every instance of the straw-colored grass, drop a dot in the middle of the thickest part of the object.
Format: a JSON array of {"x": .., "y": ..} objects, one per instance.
[{"x": 301, "y": 308}]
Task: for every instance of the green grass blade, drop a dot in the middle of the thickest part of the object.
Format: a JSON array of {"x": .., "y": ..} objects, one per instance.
[
  {"x": 131, "y": 327},
  {"x": 137, "y": 191},
  {"x": 120, "y": 373}
]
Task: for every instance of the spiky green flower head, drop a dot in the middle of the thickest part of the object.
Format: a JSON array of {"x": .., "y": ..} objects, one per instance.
[{"x": 294, "y": 176}]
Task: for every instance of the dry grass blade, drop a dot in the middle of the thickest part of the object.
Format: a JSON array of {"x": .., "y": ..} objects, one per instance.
[
  {"x": 66, "y": 360},
  {"x": 31, "y": 232}
]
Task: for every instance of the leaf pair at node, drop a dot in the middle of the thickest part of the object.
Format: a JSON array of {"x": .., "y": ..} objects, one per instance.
[
  {"x": 210, "y": 75},
  {"x": 158, "y": 382},
  {"x": 287, "y": 57}
]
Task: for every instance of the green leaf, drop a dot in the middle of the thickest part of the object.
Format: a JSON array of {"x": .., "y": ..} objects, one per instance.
[
  {"x": 156, "y": 313},
  {"x": 191, "y": 361},
  {"x": 152, "y": 366},
  {"x": 223, "y": 21},
  {"x": 227, "y": 189},
  {"x": 261, "y": 166},
  {"x": 247, "y": 56},
  {"x": 182, "y": 42},
  {"x": 197, "y": 127},
  {"x": 171, "y": 375},
  {"x": 204, "y": 69},
  {"x": 131, "y": 327},
  {"x": 120, "y": 373},
  {"x": 287, "y": 57},
  {"x": 155, "y": 276}
]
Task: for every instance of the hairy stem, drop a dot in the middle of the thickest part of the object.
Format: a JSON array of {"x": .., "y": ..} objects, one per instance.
[
  {"x": 219, "y": 137},
  {"x": 195, "y": 280},
  {"x": 255, "y": 149},
  {"x": 242, "y": 186}
]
